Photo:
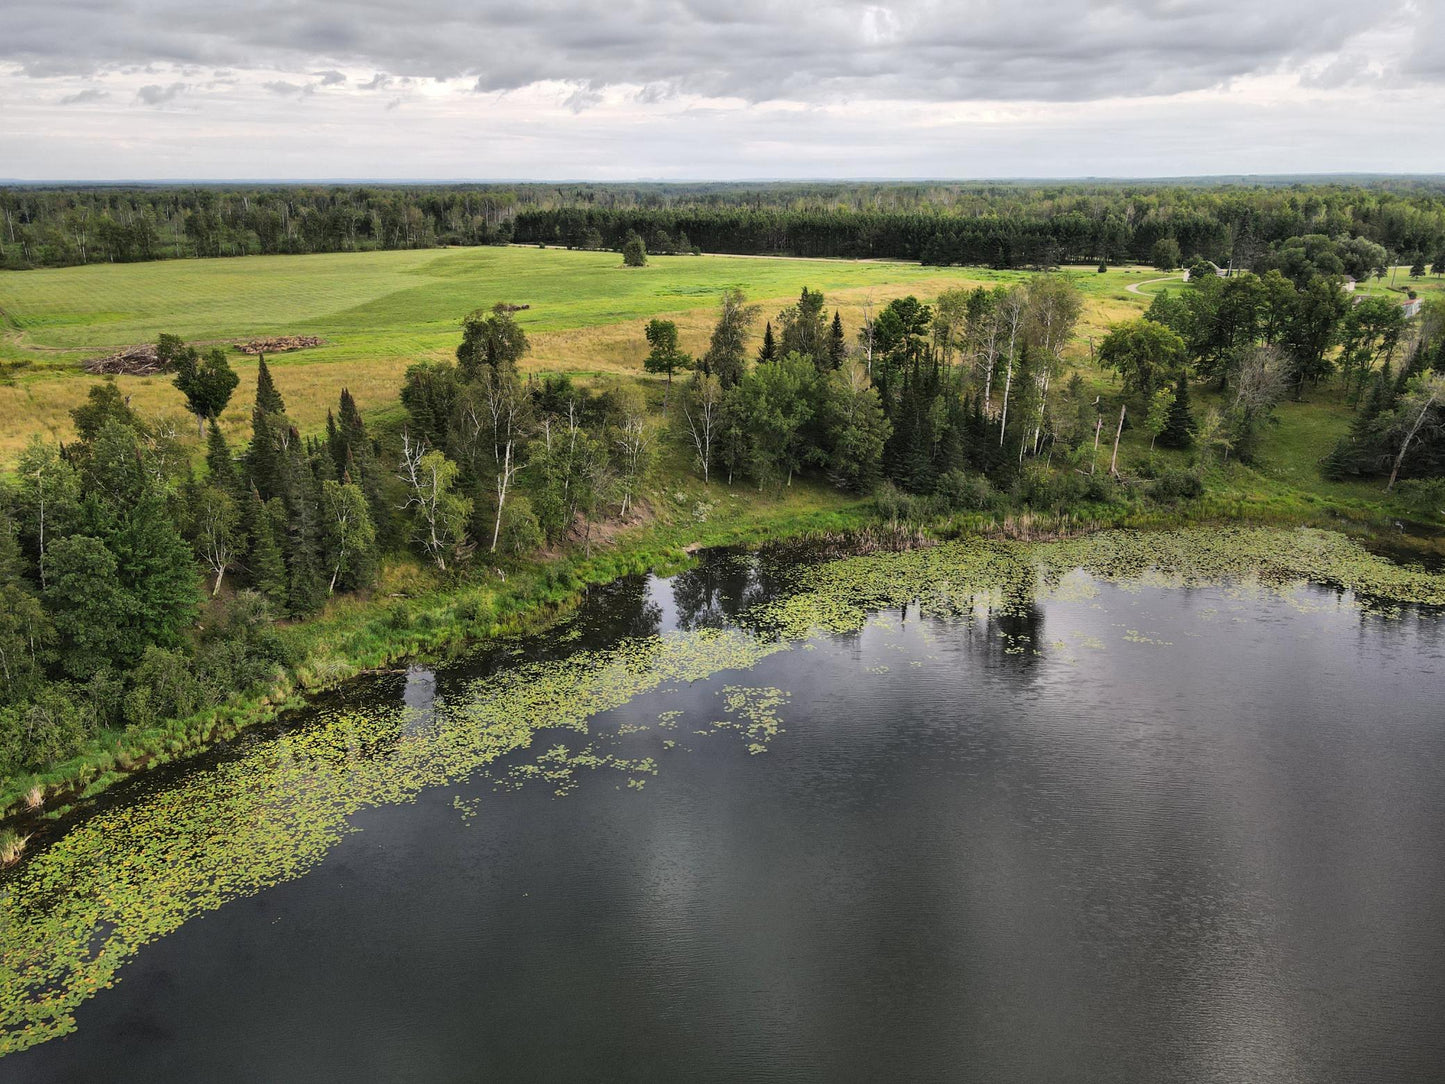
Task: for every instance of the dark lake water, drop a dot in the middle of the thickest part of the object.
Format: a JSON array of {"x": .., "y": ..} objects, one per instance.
[{"x": 1129, "y": 834}]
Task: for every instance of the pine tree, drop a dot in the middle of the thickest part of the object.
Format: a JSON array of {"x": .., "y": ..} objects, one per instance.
[
  {"x": 1178, "y": 431},
  {"x": 359, "y": 462},
  {"x": 837, "y": 344},
  {"x": 219, "y": 462},
  {"x": 262, "y": 455},
  {"x": 265, "y": 561},
  {"x": 268, "y": 399},
  {"x": 301, "y": 494},
  {"x": 769, "y": 352}
]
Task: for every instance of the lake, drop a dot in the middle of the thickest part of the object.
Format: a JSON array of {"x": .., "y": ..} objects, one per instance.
[{"x": 1076, "y": 823}]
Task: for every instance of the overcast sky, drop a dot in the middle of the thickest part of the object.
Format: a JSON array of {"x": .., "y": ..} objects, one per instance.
[{"x": 621, "y": 89}]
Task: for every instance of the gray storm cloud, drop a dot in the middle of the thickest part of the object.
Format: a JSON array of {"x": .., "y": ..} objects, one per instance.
[{"x": 1062, "y": 50}]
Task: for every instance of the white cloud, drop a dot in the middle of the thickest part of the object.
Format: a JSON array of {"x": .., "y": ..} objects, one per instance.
[{"x": 574, "y": 88}]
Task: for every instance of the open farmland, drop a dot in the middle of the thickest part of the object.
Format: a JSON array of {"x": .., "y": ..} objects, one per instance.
[{"x": 381, "y": 311}]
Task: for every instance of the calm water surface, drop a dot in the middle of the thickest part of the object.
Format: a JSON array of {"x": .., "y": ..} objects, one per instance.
[{"x": 1150, "y": 835}]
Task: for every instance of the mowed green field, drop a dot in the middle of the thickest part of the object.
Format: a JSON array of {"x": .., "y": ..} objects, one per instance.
[{"x": 381, "y": 311}]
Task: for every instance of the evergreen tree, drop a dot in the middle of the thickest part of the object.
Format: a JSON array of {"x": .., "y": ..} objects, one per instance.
[
  {"x": 268, "y": 399},
  {"x": 837, "y": 343},
  {"x": 429, "y": 395},
  {"x": 220, "y": 467},
  {"x": 1179, "y": 428},
  {"x": 263, "y": 454},
  {"x": 265, "y": 559},
  {"x": 769, "y": 351}
]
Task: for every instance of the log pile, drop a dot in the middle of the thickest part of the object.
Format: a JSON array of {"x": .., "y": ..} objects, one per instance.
[
  {"x": 278, "y": 345},
  {"x": 132, "y": 361},
  {"x": 504, "y": 307}
]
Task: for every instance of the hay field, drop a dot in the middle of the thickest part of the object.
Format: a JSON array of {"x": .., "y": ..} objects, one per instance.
[{"x": 381, "y": 311}]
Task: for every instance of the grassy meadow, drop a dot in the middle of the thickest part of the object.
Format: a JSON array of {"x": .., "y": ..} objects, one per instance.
[{"x": 381, "y": 311}]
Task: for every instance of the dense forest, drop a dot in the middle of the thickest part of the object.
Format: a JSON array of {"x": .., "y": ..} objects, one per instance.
[{"x": 1006, "y": 225}]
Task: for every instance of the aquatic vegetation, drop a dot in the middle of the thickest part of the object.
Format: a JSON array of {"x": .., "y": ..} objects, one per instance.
[
  {"x": 753, "y": 713},
  {"x": 73, "y": 914},
  {"x": 75, "y": 911}
]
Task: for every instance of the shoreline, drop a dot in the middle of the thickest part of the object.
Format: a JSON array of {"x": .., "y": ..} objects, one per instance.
[{"x": 354, "y": 637}]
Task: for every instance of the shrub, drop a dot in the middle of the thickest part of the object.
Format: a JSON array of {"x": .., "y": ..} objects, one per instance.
[
  {"x": 1041, "y": 488},
  {"x": 958, "y": 491},
  {"x": 163, "y": 686},
  {"x": 521, "y": 533},
  {"x": 1176, "y": 485},
  {"x": 1422, "y": 496}
]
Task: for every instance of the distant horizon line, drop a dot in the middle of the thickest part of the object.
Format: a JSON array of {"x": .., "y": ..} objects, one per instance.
[{"x": 19, "y": 182}]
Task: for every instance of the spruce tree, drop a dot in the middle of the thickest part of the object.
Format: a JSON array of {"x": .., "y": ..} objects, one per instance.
[
  {"x": 769, "y": 352},
  {"x": 218, "y": 461},
  {"x": 262, "y": 455},
  {"x": 265, "y": 561},
  {"x": 1178, "y": 431},
  {"x": 837, "y": 344},
  {"x": 268, "y": 399}
]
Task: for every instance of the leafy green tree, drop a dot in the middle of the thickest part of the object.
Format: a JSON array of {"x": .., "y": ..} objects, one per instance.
[
  {"x": 726, "y": 356},
  {"x": 634, "y": 251},
  {"x": 206, "y": 382},
  {"x": 439, "y": 513},
  {"x": 47, "y": 501},
  {"x": 950, "y": 321},
  {"x": 1312, "y": 328},
  {"x": 568, "y": 468},
  {"x": 490, "y": 338},
  {"x": 664, "y": 357},
  {"x": 1369, "y": 333},
  {"x": 631, "y": 443},
  {"x": 702, "y": 414},
  {"x": 777, "y": 404},
  {"x": 1165, "y": 254},
  {"x": 1144, "y": 353},
  {"x": 348, "y": 535},
  {"x": 1161, "y": 407},
  {"x": 215, "y": 530},
  {"x": 103, "y": 403},
  {"x": 804, "y": 329},
  {"x": 854, "y": 426},
  {"x": 26, "y": 631},
  {"x": 90, "y": 609}
]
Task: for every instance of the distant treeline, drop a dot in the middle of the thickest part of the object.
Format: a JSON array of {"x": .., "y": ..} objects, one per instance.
[{"x": 1002, "y": 225}]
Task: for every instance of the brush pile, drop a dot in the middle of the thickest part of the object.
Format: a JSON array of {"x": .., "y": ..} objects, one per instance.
[
  {"x": 132, "y": 361},
  {"x": 278, "y": 345}
]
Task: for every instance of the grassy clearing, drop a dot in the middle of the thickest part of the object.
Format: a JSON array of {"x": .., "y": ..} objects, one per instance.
[{"x": 381, "y": 311}]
